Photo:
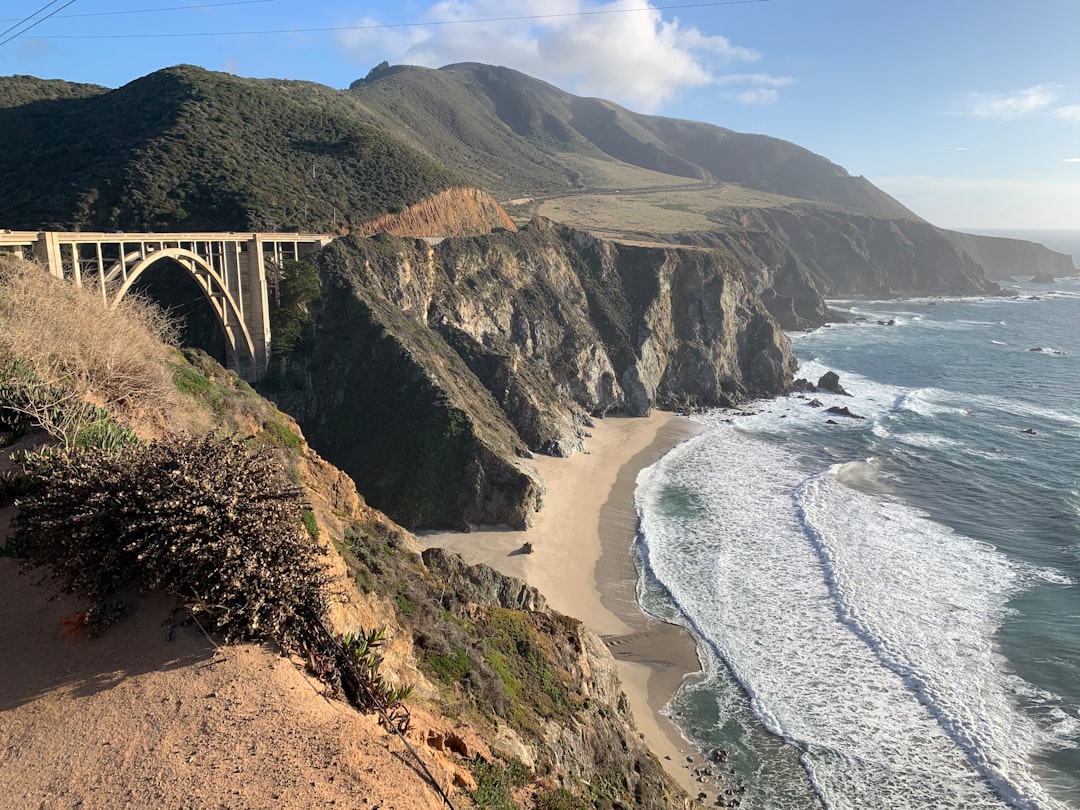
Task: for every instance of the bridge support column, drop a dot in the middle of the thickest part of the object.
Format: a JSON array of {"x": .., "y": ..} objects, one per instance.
[
  {"x": 256, "y": 302},
  {"x": 47, "y": 251}
]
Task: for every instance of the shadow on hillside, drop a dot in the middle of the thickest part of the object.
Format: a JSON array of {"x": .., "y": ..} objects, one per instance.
[{"x": 37, "y": 656}]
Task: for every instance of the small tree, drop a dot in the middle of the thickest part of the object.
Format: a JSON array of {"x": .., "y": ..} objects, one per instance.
[{"x": 290, "y": 315}]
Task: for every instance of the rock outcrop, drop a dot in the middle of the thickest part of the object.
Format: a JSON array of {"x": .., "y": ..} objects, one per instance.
[
  {"x": 434, "y": 371},
  {"x": 482, "y": 584},
  {"x": 595, "y": 738}
]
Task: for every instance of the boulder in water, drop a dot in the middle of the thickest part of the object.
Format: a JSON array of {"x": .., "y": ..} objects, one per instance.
[
  {"x": 843, "y": 412},
  {"x": 830, "y": 381}
]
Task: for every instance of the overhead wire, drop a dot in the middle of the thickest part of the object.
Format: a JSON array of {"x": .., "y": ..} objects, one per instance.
[
  {"x": 27, "y": 18},
  {"x": 140, "y": 10},
  {"x": 36, "y": 23},
  {"x": 378, "y": 26}
]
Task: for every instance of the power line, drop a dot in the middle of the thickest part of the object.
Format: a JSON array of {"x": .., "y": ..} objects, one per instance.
[
  {"x": 35, "y": 23},
  {"x": 28, "y": 17},
  {"x": 373, "y": 27},
  {"x": 139, "y": 10}
]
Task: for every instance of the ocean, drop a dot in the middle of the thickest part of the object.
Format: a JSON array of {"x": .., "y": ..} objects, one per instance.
[{"x": 888, "y": 608}]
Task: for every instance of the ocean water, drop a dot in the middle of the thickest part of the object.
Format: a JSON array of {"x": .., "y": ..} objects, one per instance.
[{"x": 888, "y": 608}]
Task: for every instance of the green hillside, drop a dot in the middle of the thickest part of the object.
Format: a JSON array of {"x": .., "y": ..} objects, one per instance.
[
  {"x": 520, "y": 136},
  {"x": 18, "y": 90},
  {"x": 185, "y": 149}
]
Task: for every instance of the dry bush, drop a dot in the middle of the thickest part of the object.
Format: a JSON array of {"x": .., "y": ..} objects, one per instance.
[
  {"x": 214, "y": 521},
  {"x": 68, "y": 346}
]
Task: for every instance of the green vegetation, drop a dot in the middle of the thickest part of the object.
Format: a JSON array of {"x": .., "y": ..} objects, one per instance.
[
  {"x": 375, "y": 692},
  {"x": 496, "y": 782},
  {"x": 186, "y": 149},
  {"x": 452, "y": 668},
  {"x": 310, "y": 523},
  {"x": 495, "y": 665},
  {"x": 16, "y": 91},
  {"x": 290, "y": 313}
]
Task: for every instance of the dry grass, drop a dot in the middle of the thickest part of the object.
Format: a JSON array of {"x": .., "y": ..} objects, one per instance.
[
  {"x": 77, "y": 349},
  {"x": 636, "y": 211}
]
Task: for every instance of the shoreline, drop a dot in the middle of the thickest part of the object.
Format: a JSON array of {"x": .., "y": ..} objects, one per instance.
[{"x": 583, "y": 564}]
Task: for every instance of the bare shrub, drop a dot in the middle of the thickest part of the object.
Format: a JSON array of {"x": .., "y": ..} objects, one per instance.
[
  {"x": 213, "y": 521},
  {"x": 62, "y": 346}
]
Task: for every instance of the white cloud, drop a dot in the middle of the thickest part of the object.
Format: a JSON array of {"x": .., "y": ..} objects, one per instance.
[
  {"x": 760, "y": 79},
  {"x": 758, "y": 95},
  {"x": 1072, "y": 160},
  {"x": 762, "y": 89},
  {"x": 635, "y": 57},
  {"x": 1068, "y": 113},
  {"x": 1011, "y": 106}
]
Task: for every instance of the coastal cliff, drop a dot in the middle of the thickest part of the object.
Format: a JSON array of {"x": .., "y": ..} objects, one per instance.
[
  {"x": 432, "y": 372},
  {"x": 1003, "y": 258},
  {"x": 848, "y": 254}
]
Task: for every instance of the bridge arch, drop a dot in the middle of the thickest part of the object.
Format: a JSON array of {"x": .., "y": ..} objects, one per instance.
[{"x": 229, "y": 312}]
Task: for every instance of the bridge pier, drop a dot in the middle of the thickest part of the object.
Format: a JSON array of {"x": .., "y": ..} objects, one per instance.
[{"x": 230, "y": 268}]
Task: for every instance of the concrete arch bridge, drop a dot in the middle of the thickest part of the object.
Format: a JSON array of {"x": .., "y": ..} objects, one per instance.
[{"x": 234, "y": 271}]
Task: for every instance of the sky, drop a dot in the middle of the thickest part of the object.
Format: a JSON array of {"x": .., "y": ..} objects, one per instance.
[{"x": 967, "y": 111}]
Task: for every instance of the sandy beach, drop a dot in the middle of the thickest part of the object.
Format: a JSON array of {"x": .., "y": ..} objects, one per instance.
[{"x": 582, "y": 562}]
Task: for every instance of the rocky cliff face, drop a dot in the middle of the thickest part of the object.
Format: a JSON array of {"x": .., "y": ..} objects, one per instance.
[
  {"x": 848, "y": 254},
  {"x": 1003, "y": 258},
  {"x": 433, "y": 370},
  {"x": 596, "y": 740},
  {"x": 784, "y": 283}
]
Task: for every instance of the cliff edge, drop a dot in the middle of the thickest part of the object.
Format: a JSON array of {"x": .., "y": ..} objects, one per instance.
[{"x": 431, "y": 373}]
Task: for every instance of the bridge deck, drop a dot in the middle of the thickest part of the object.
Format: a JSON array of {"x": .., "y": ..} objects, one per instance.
[{"x": 89, "y": 237}]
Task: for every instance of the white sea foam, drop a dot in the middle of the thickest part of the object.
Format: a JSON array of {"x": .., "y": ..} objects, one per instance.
[
  {"x": 861, "y": 630},
  {"x": 928, "y": 602},
  {"x": 926, "y": 440},
  {"x": 1051, "y": 576},
  {"x": 723, "y": 535},
  {"x": 928, "y": 402},
  {"x": 1016, "y": 407}
]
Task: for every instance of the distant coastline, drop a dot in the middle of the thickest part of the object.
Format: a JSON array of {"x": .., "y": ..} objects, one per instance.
[{"x": 1061, "y": 240}]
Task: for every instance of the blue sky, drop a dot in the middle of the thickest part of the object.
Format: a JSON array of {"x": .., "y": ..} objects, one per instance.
[{"x": 967, "y": 111}]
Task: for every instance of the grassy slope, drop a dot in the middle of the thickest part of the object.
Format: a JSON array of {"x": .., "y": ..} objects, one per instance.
[
  {"x": 184, "y": 148},
  {"x": 520, "y": 136}
]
